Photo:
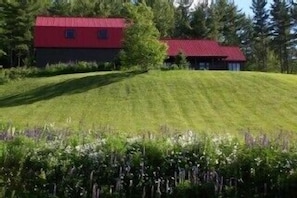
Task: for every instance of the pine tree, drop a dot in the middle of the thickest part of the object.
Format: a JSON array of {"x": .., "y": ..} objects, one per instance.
[
  {"x": 214, "y": 23},
  {"x": 246, "y": 38},
  {"x": 280, "y": 30},
  {"x": 2, "y": 52},
  {"x": 199, "y": 22},
  {"x": 164, "y": 13},
  {"x": 261, "y": 33},
  {"x": 182, "y": 19},
  {"x": 60, "y": 8},
  {"x": 18, "y": 17},
  {"x": 84, "y": 8}
]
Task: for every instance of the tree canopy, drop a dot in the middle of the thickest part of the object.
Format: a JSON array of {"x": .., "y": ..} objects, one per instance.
[
  {"x": 142, "y": 46},
  {"x": 271, "y": 30}
]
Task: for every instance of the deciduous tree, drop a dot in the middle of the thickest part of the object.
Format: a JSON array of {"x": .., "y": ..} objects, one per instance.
[{"x": 141, "y": 45}]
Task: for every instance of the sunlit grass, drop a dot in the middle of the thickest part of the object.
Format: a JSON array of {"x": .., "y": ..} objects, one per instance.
[{"x": 131, "y": 103}]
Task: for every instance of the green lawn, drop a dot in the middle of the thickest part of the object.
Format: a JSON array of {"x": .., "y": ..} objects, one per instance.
[{"x": 127, "y": 102}]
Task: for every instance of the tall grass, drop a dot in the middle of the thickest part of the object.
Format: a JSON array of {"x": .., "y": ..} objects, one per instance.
[{"x": 183, "y": 165}]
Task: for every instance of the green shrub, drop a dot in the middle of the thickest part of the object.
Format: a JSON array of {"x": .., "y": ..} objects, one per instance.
[
  {"x": 181, "y": 61},
  {"x": 16, "y": 73},
  {"x": 3, "y": 77},
  {"x": 52, "y": 70}
]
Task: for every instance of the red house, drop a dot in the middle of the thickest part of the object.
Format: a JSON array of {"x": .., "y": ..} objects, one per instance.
[
  {"x": 206, "y": 54},
  {"x": 66, "y": 39}
]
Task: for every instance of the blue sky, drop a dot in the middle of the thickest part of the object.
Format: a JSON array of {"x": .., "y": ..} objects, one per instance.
[{"x": 246, "y": 4}]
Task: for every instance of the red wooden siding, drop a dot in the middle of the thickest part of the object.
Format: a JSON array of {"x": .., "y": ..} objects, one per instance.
[
  {"x": 84, "y": 38},
  {"x": 50, "y": 32}
]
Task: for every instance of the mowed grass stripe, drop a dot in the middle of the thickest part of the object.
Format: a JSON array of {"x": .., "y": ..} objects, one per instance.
[{"x": 127, "y": 102}]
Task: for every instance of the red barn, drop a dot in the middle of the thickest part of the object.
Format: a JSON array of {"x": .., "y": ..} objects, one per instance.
[
  {"x": 206, "y": 54},
  {"x": 66, "y": 39},
  {"x": 235, "y": 58}
]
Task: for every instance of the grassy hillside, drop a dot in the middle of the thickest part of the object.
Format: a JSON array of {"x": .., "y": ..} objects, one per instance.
[{"x": 197, "y": 100}]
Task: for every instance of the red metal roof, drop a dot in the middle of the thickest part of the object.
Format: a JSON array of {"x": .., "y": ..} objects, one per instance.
[
  {"x": 194, "y": 48},
  {"x": 234, "y": 53},
  {"x": 79, "y": 22}
]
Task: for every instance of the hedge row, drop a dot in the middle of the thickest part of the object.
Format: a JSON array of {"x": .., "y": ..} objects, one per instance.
[{"x": 55, "y": 69}]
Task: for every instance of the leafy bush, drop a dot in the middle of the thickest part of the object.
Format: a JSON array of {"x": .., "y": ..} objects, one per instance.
[
  {"x": 52, "y": 70},
  {"x": 181, "y": 61},
  {"x": 16, "y": 73},
  {"x": 184, "y": 165},
  {"x": 168, "y": 67},
  {"x": 3, "y": 77}
]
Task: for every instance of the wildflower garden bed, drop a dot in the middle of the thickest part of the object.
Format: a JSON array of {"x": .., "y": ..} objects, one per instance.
[{"x": 42, "y": 163}]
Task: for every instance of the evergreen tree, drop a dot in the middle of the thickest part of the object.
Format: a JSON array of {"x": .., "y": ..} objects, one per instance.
[
  {"x": 181, "y": 60},
  {"x": 280, "y": 30},
  {"x": 164, "y": 17},
  {"x": 60, "y": 8},
  {"x": 261, "y": 33},
  {"x": 2, "y": 52},
  {"x": 182, "y": 19},
  {"x": 246, "y": 38},
  {"x": 225, "y": 21},
  {"x": 84, "y": 8},
  {"x": 199, "y": 22},
  {"x": 214, "y": 23},
  {"x": 233, "y": 21},
  {"x": 17, "y": 37},
  {"x": 141, "y": 46}
]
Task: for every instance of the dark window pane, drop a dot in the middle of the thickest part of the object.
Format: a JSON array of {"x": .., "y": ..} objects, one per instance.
[
  {"x": 103, "y": 34},
  {"x": 70, "y": 33}
]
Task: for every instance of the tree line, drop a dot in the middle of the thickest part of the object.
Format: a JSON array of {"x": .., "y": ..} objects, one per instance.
[{"x": 267, "y": 38}]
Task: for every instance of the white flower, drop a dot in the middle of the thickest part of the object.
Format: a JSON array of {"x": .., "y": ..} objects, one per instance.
[{"x": 258, "y": 161}]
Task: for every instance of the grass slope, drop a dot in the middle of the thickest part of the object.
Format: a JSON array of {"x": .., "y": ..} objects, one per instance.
[{"x": 129, "y": 102}]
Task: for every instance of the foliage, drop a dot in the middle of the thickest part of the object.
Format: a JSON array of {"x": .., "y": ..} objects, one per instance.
[
  {"x": 273, "y": 62},
  {"x": 281, "y": 33},
  {"x": 60, "y": 8},
  {"x": 17, "y": 73},
  {"x": 141, "y": 46},
  {"x": 164, "y": 15},
  {"x": 199, "y": 22},
  {"x": 220, "y": 20},
  {"x": 261, "y": 33},
  {"x": 18, "y": 20},
  {"x": 182, "y": 19},
  {"x": 183, "y": 165},
  {"x": 3, "y": 78},
  {"x": 74, "y": 67},
  {"x": 181, "y": 61}
]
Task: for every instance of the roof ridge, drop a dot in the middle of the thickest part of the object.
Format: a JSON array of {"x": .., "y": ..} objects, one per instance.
[
  {"x": 79, "y": 17},
  {"x": 187, "y": 39}
]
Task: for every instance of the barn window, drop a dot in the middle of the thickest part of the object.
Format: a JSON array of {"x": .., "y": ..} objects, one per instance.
[
  {"x": 70, "y": 34},
  {"x": 103, "y": 34},
  {"x": 234, "y": 66},
  {"x": 203, "y": 66}
]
